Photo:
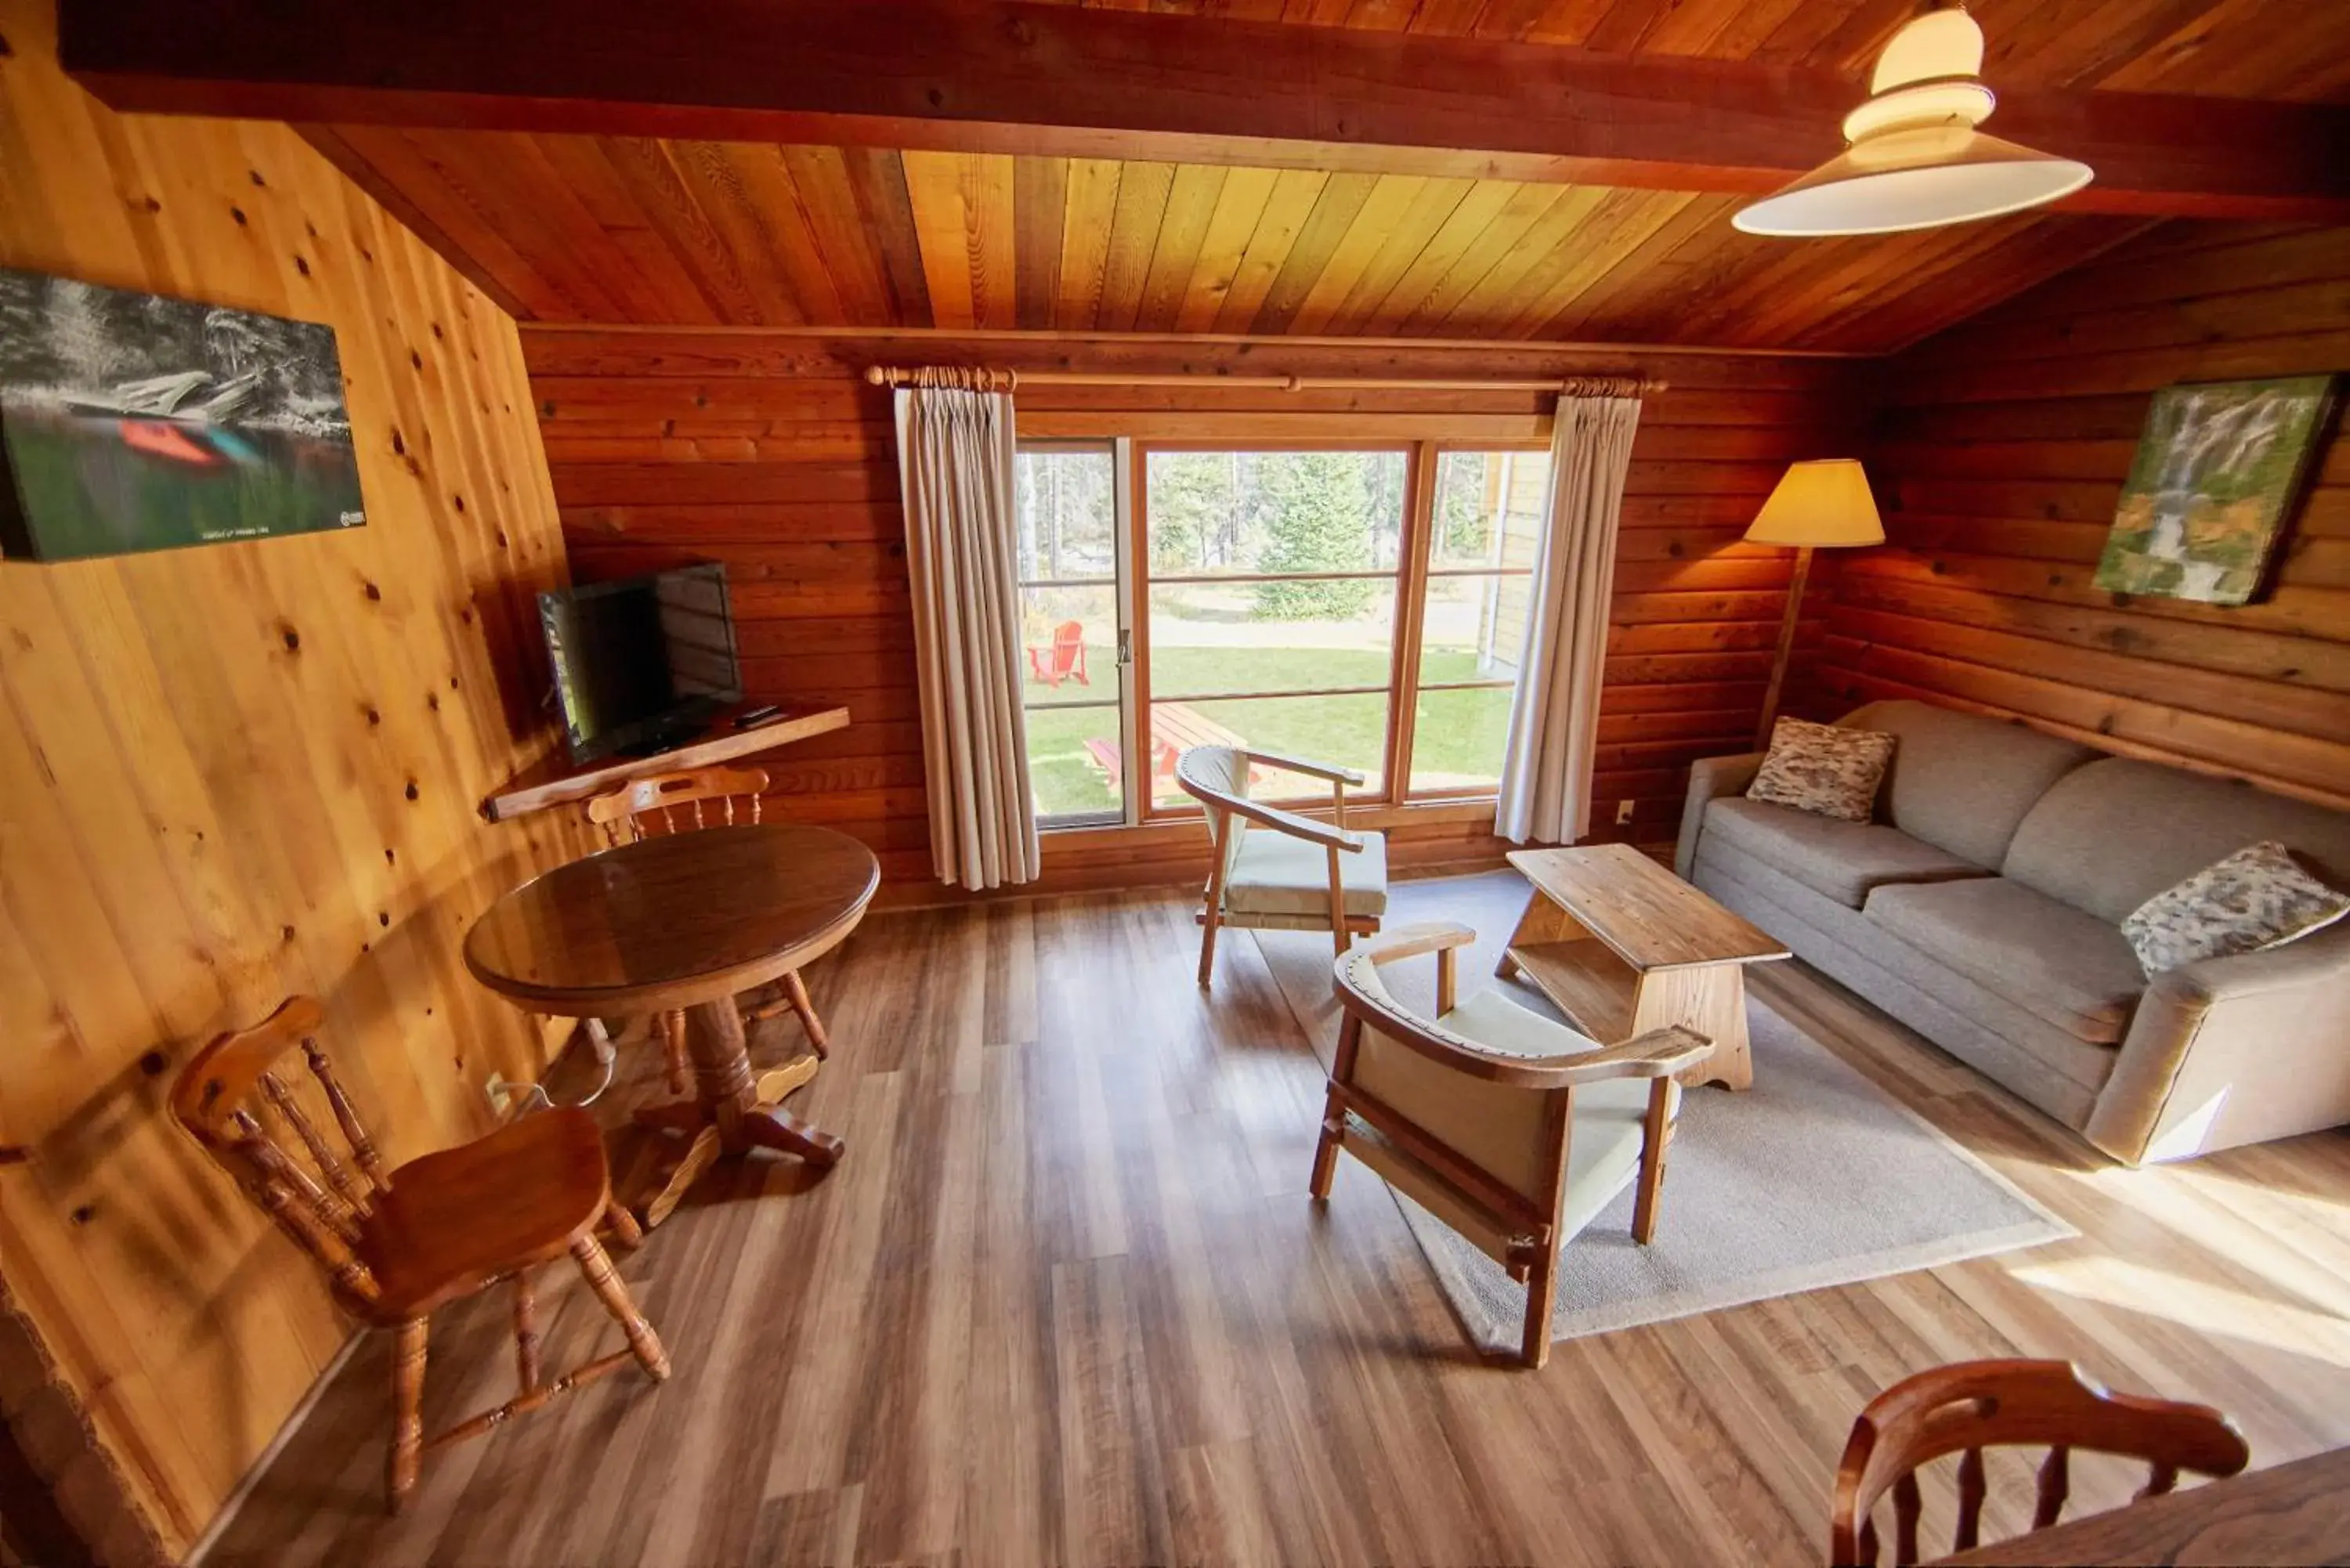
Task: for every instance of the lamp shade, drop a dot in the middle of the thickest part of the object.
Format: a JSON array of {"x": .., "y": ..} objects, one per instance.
[
  {"x": 1913, "y": 156},
  {"x": 1825, "y": 502}
]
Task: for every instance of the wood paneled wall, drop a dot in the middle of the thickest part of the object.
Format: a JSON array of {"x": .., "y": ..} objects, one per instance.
[
  {"x": 764, "y": 449},
  {"x": 232, "y": 773},
  {"x": 2002, "y": 454}
]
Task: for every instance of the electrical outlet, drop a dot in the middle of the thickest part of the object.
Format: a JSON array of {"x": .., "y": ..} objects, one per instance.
[
  {"x": 1623, "y": 813},
  {"x": 502, "y": 1092}
]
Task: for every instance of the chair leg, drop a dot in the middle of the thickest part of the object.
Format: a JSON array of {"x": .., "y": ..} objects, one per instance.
[
  {"x": 795, "y": 991},
  {"x": 525, "y": 1331},
  {"x": 642, "y": 1340},
  {"x": 626, "y": 1232},
  {"x": 673, "y": 1028},
  {"x": 1542, "y": 1291},
  {"x": 1339, "y": 931},
  {"x": 1222, "y": 840},
  {"x": 1325, "y": 1151},
  {"x": 408, "y": 1344},
  {"x": 1656, "y": 1135}
]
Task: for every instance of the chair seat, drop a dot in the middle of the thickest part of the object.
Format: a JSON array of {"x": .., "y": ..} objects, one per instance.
[
  {"x": 456, "y": 1220},
  {"x": 1602, "y": 1148},
  {"x": 1275, "y": 875}
]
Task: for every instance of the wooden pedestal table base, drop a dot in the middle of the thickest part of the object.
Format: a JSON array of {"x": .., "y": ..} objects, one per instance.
[
  {"x": 731, "y": 1114},
  {"x": 687, "y": 922}
]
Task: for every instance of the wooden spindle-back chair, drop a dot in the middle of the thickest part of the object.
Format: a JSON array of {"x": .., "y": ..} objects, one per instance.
[
  {"x": 1970, "y": 1406},
  {"x": 395, "y": 1244},
  {"x": 680, "y": 802}
]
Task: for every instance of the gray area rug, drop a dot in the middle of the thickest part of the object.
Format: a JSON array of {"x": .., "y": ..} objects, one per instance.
[{"x": 1813, "y": 1177}]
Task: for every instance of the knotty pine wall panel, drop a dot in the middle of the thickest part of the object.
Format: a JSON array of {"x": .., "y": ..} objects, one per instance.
[
  {"x": 2002, "y": 455},
  {"x": 766, "y": 451},
  {"x": 232, "y": 772}
]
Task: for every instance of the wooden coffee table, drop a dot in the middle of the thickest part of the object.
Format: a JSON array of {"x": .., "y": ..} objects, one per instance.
[{"x": 1621, "y": 945}]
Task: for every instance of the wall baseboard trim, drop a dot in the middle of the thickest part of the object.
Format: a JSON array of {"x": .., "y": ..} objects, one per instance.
[{"x": 226, "y": 1514}]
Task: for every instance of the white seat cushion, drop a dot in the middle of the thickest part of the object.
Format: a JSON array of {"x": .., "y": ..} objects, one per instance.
[
  {"x": 1603, "y": 1150},
  {"x": 1275, "y": 874}
]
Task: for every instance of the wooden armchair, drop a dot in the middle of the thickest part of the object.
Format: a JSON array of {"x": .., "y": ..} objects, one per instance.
[
  {"x": 1514, "y": 1130},
  {"x": 1276, "y": 880},
  {"x": 1970, "y": 1406},
  {"x": 694, "y": 798},
  {"x": 396, "y": 1244}
]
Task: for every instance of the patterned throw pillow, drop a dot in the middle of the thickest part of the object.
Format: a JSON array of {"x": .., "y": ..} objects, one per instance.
[
  {"x": 1827, "y": 770},
  {"x": 2257, "y": 897}
]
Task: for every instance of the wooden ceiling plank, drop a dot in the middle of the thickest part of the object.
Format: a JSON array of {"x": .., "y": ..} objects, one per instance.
[
  {"x": 782, "y": 214},
  {"x": 1562, "y": 230},
  {"x": 1390, "y": 203},
  {"x": 1143, "y": 191},
  {"x": 1421, "y": 222},
  {"x": 715, "y": 176},
  {"x": 879, "y": 176},
  {"x": 670, "y": 210},
  {"x": 1474, "y": 214},
  {"x": 646, "y": 271},
  {"x": 935, "y": 185},
  {"x": 1626, "y": 220},
  {"x": 1239, "y": 207},
  {"x": 1294, "y": 192},
  {"x": 1090, "y": 209},
  {"x": 836, "y": 227},
  {"x": 1528, "y": 207},
  {"x": 1182, "y": 231},
  {"x": 1333, "y": 213},
  {"x": 1601, "y": 300},
  {"x": 1015, "y": 75},
  {"x": 1040, "y": 199}
]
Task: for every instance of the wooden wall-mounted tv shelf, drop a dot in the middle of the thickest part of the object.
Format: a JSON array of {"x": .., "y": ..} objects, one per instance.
[{"x": 557, "y": 781}]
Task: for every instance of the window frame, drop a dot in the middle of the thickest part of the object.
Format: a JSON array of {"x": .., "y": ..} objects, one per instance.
[
  {"x": 1120, "y": 587},
  {"x": 1411, "y": 578}
]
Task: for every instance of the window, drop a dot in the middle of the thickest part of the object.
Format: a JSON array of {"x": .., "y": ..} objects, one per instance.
[
  {"x": 1487, "y": 508},
  {"x": 1073, "y": 680},
  {"x": 1358, "y": 603}
]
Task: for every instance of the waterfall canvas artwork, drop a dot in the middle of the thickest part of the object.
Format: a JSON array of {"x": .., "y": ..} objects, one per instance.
[
  {"x": 2217, "y": 469},
  {"x": 131, "y": 421}
]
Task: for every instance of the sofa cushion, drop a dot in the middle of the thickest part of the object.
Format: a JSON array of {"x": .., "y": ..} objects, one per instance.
[
  {"x": 1842, "y": 860},
  {"x": 1961, "y": 781},
  {"x": 1274, "y": 874},
  {"x": 2110, "y": 836},
  {"x": 1822, "y": 768},
  {"x": 2067, "y": 968}
]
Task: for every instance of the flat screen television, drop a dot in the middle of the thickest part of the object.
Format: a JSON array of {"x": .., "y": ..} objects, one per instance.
[{"x": 643, "y": 662}]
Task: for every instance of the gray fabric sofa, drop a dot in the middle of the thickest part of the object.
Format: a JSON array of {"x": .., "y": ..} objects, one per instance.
[{"x": 1982, "y": 908}]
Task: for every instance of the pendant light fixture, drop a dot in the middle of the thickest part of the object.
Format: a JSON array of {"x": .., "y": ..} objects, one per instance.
[{"x": 1914, "y": 158}]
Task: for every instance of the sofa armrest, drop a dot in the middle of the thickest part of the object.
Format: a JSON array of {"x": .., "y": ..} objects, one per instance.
[
  {"x": 2232, "y": 1051},
  {"x": 1711, "y": 778}
]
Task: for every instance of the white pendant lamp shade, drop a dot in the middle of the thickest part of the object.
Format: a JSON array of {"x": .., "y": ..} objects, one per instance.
[{"x": 1914, "y": 158}]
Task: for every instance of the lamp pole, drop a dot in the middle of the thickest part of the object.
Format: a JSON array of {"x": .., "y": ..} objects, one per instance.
[{"x": 1786, "y": 647}]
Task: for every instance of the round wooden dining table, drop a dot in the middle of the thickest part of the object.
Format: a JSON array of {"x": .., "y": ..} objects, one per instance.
[{"x": 685, "y": 921}]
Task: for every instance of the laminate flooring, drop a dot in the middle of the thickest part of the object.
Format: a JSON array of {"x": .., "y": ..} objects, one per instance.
[{"x": 1066, "y": 1302}]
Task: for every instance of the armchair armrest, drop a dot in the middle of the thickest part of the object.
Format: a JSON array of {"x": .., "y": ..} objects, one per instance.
[
  {"x": 1330, "y": 772},
  {"x": 1658, "y": 1054},
  {"x": 1410, "y": 941},
  {"x": 1710, "y": 779},
  {"x": 2232, "y": 1051},
  {"x": 1327, "y": 834}
]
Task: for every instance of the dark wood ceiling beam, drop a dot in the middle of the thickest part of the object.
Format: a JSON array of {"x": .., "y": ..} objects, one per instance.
[{"x": 1012, "y": 77}]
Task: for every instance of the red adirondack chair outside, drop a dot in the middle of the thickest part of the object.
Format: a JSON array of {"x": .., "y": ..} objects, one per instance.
[{"x": 1065, "y": 661}]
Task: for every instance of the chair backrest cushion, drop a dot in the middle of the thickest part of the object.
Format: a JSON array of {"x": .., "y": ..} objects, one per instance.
[
  {"x": 2113, "y": 833},
  {"x": 1961, "y": 781}
]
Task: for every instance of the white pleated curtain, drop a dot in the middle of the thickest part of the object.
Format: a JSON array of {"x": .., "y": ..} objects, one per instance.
[
  {"x": 1545, "y": 793},
  {"x": 955, "y": 453}
]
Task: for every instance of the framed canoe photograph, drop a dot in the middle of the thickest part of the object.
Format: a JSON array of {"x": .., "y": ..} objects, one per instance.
[
  {"x": 132, "y": 422},
  {"x": 2219, "y": 468}
]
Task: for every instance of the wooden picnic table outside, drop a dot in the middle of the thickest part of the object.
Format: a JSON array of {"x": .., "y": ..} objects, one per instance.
[{"x": 1175, "y": 728}]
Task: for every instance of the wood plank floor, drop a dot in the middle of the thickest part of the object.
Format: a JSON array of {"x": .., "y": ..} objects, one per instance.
[{"x": 1066, "y": 1302}]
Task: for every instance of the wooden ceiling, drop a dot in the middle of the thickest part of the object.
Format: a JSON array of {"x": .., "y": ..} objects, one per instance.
[
  {"x": 2298, "y": 51},
  {"x": 566, "y": 228},
  {"x": 995, "y": 228}
]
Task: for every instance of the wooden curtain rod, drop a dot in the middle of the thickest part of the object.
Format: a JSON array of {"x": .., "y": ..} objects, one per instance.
[{"x": 977, "y": 379}]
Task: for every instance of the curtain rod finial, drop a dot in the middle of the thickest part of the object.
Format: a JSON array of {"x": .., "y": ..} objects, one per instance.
[{"x": 876, "y": 376}]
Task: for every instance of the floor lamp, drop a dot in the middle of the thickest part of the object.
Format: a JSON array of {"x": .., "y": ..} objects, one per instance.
[{"x": 1824, "y": 504}]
